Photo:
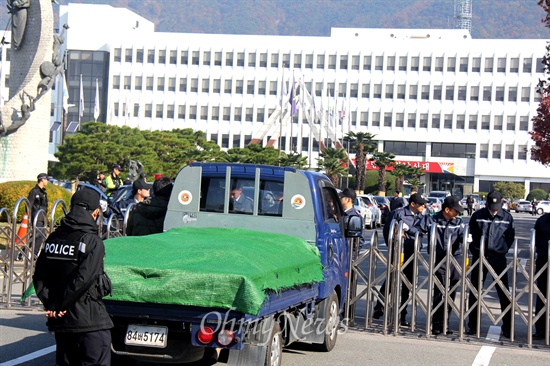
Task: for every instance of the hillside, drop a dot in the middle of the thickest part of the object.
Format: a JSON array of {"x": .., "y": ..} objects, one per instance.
[{"x": 491, "y": 18}]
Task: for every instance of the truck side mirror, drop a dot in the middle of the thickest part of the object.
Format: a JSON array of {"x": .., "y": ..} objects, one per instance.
[{"x": 353, "y": 226}]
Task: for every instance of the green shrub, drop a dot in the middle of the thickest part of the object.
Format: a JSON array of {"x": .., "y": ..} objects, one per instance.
[
  {"x": 537, "y": 193},
  {"x": 10, "y": 192}
]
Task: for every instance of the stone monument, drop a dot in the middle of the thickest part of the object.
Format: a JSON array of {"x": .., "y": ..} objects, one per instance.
[{"x": 25, "y": 117}]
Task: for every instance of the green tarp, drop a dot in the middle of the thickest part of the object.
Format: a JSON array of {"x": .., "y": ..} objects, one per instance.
[{"x": 209, "y": 267}]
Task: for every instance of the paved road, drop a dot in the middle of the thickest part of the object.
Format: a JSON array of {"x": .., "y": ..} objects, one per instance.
[{"x": 24, "y": 340}]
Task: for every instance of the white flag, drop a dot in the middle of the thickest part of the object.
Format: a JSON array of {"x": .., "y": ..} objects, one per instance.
[
  {"x": 81, "y": 103},
  {"x": 96, "y": 102},
  {"x": 65, "y": 95}
]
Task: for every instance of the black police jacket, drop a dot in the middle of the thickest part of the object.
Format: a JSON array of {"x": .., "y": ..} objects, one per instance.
[
  {"x": 542, "y": 236},
  {"x": 452, "y": 230},
  {"x": 499, "y": 231},
  {"x": 68, "y": 273},
  {"x": 38, "y": 199},
  {"x": 147, "y": 217},
  {"x": 408, "y": 217}
]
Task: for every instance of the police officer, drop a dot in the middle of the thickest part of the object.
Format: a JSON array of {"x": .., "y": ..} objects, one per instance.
[
  {"x": 409, "y": 215},
  {"x": 347, "y": 199},
  {"x": 542, "y": 240},
  {"x": 39, "y": 200},
  {"x": 449, "y": 227},
  {"x": 70, "y": 282},
  {"x": 497, "y": 226},
  {"x": 113, "y": 180},
  {"x": 396, "y": 201}
]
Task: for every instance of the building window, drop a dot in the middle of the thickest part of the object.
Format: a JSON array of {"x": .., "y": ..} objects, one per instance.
[
  {"x": 436, "y": 121},
  {"x": 159, "y": 111},
  {"x": 423, "y": 120},
  {"x": 149, "y": 83},
  {"x": 413, "y": 91},
  {"x": 523, "y": 123},
  {"x": 249, "y": 114},
  {"x": 415, "y": 63},
  {"x": 390, "y": 66},
  {"x": 118, "y": 54},
  {"x": 194, "y": 85},
  {"x": 252, "y": 59},
  {"x": 451, "y": 64},
  {"x": 227, "y": 89},
  {"x": 509, "y": 152},
  {"x": 474, "y": 93},
  {"x": 204, "y": 113},
  {"x": 226, "y": 113},
  {"x": 195, "y": 58},
  {"x": 260, "y": 115},
  {"x": 525, "y": 94},
  {"x": 448, "y": 121},
  {"x": 205, "y": 86},
  {"x": 472, "y": 125},
  {"x": 367, "y": 63},
  {"x": 401, "y": 90},
  {"x": 540, "y": 66},
  {"x": 239, "y": 87},
  {"x": 193, "y": 112},
  {"x": 217, "y": 58},
  {"x": 184, "y": 57},
  {"x": 173, "y": 57},
  {"x": 484, "y": 151},
  {"x": 148, "y": 110},
  {"x": 498, "y": 122},
  {"x": 387, "y": 119},
  {"x": 425, "y": 92},
  {"x": 377, "y": 92},
  {"x": 214, "y": 137},
  {"x": 463, "y": 67},
  {"x": 487, "y": 91},
  {"x": 273, "y": 87},
  {"x": 462, "y": 93},
  {"x": 405, "y": 148},
  {"x": 162, "y": 56},
  {"x": 427, "y": 64},
  {"x": 250, "y": 87},
  {"x": 320, "y": 61},
  {"x": 522, "y": 152},
  {"x": 229, "y": 59},
  {"x": 138, "y": 83},
  {"x": 499, "y": 94},
  {"x": 513, "y": 94},
  {"x": 206, "y": 56},
  {"x": 389, "y": 91},
  {"x": 343, "y": 62},
  {"x": 160, "y": 84},
  {"x": 501, "y": 64},
  {"x": 151, "y": 56},
  {"x": 450, "y": 92},
  {"x": 402, "y": 63},
  {"x": 514, "y": 65},
  {"x": 400, "y": 120},
  {"x": 439, "y": 64},
  {"x": 181, "y": 112},
  {"x": 527, "y": 65},
  {"x": 450, "y": 150},
  {"x": 240, "y": 59},
  {"x": 489, "y": 64},
  {"x": 139, "y": 55},
  {"x": 460, "y": 121},
  {"x": 365, "y": 91},
  {"x": 438, "y": 92},
  {"x": 354, "y": 62},
  {"x": 172, "y": 84},
  {"x": 298, "y": 61},
  {"x": 332, "y": 62},
  {"x": 476, "y": 64},
  {"x": 225, "y": 140},
  {"x": 354, "y": 90},
  {"x": 411, "y": 120},
  {"x": 215, "y": 113},
  {"x": 170, "y": 111},
  {"x": 238, "y": 114},
  {"x": 128, "y": 55},
  {"x": 136, "y": 109},
  {"x": 485, "y": 122},
  {"x": 376, "y": 119},
  {"x": 183, "y": 84},
  {"x": 511, "y": 123},
  {"x": 379, "y": 63},
  {"x": 116, "y": 81},
  {"x": 496, "y": 151}
]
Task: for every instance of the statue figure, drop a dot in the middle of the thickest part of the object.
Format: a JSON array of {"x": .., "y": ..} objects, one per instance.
[
  {"x": 135, "y": 168},
  {"x": 18, "y": 11},
  {"x": 58, "y": 40},
  {"x": 17, "y": 121}
]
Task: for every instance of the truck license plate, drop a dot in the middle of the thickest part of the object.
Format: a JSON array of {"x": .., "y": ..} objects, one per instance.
[{"x": 145, "y": 335}]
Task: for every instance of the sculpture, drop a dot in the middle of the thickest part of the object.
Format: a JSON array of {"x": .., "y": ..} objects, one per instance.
[
  {"x": 18, "y": 11},
  {"x": 135, "y": 168}
]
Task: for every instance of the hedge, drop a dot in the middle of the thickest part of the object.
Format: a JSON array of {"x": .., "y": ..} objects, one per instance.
[{"x": 10, "y": 192}]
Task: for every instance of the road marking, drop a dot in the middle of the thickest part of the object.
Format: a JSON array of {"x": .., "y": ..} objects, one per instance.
[
  {"x": 492, "y": 335},
  {"x": 484, "y": 356},
  {"x": 29, "y": 357}
]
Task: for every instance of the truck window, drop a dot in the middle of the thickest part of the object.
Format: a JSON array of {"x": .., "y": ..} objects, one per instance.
[
  {"x": 212, "y": 194},
  {"x": 271, "y": 198},
  {"x": 331, "y": 204},
  {"x": 241, "y": 197}
]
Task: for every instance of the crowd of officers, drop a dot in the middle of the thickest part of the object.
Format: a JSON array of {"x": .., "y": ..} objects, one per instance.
[{"x": 492, "y": 224}]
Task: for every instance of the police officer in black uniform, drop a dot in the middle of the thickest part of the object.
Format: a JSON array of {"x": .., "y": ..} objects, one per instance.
[
  {"x": 70, "y": 282},
  {"x": 39, "y": 200},
  {"x": 542, "y": 240},
  {"x": 450, "y": 227},
  {"x": 497, "y": 226}
]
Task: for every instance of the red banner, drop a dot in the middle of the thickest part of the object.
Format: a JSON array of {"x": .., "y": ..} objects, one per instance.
[{"x": 427, "y": 166}]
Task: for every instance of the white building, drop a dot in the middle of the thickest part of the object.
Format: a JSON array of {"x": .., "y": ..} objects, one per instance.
[{"x": 458, "y": 106}]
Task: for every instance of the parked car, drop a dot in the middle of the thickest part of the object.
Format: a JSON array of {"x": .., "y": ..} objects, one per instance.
[
  {"x": 369, "y": 200},
  {"x": 364, "y": 211},
  {"x": 434, "y": 205},
  {"x": 476, "y": 206},
  {"x": 523, "y": 206},
  {"x": 543, "y": 207},
  {"x": 506, "y": 205},
  {"x": 439, "y": 194},
  {"x": 482, "y": 204},
  {"x": 384, "y": 205}
]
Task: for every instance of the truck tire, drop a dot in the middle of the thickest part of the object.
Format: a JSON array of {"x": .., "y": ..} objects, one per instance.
[
  {"x": 274, "y": 350},
  {"x": 332, "y": 316}
]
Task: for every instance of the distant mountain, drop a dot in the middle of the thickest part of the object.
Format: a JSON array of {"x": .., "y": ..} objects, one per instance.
[{"x": 491, "y": 18}]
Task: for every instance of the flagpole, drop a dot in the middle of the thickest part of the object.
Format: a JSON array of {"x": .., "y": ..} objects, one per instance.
[{"x": 281, "y": 114}]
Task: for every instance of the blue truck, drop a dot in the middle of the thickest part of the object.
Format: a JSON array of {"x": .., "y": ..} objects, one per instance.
[{"x": 279, "y": 200}]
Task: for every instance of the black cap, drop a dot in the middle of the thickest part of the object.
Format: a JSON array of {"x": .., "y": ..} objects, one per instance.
[
  {"x": 418, "y": 199},
  {"x": 116, "y": 166},
  {"x": 86, "y": 198},
  {"x": 453, "y": 202},
  {"x": 494, "y": 201},
  {"x": 42, "y": 176},
  {"x": 140, "y": 184},
  {"x": 349, "y": 193}
]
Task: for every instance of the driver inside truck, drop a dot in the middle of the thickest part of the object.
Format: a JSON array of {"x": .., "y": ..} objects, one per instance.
[{"x": 240, "y": 203}]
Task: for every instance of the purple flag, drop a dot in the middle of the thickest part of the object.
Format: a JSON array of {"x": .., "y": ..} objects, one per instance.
[{"x": 292, "y": 99}]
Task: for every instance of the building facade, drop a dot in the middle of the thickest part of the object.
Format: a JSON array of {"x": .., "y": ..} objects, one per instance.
[{"x": 459, "y": 107}]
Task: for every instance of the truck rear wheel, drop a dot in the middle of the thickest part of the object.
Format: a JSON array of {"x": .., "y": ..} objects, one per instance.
[
  {"x": 274, "y": 351},
  {"x": 332, "y": 317}
]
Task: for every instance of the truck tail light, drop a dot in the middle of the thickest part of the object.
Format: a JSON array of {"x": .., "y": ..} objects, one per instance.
[
  {"x": 226, "y": 337},
  {"x": 205, "y": 335}
]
